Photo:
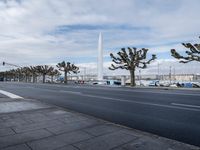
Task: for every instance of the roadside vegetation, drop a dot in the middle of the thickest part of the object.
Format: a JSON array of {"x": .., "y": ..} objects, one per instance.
[
  {"x": 67, "y": 68},
  {"x": 30, "y": 74},
  {"x": 128, "y": 59},
  {"x": 192, "y": 54}
]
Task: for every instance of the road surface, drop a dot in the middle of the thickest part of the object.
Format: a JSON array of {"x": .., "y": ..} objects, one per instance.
[{"x": 173, "y": 113}]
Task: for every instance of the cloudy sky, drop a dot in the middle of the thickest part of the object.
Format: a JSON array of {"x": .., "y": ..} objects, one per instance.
[{"x": 50, "y": 31}]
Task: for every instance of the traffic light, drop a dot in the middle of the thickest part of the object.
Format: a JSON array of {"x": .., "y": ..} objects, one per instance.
[{"x": 3, "y": 63}]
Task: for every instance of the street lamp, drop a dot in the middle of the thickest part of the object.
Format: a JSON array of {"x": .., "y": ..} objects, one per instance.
[
  {"x": 9, "y": 64},
  {"x": 170, "y": 74},
  {"x": 140, "y": 77},
  {"x": 158, "y": 71}
]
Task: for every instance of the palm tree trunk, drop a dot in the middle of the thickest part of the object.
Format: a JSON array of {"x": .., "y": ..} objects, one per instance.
[
  {"x": 43, "y": 78},
  {"x": 132, "y": 73},
  {"x": 18, "y": 77},
  {"x": 65, "y": 80},
  {"x": 36, "y": 79},
  {"x": 33, "y": 78},
  {"x": 52, "y": 79},
  {"x": 26, "y": 78}
]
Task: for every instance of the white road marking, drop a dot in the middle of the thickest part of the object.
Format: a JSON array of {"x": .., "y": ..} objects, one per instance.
[
  {"x": 70, "y": 92},
  {"x": 186, "y": 105},
  {"x": 143, "y": 103},
  {"x": 11, "y": 95},
  {"x": 137, "y": 90},
  {"x": 159, "y": 92},
  {"x": 173, "y": 105},
  {"x": 175, "y": 93}
]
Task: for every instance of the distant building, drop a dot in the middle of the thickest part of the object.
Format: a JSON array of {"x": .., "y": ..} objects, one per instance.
[{"x": 177, "y": 77}]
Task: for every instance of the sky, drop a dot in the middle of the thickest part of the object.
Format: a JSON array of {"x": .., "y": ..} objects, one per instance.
[{"x": 38, "y": 32}]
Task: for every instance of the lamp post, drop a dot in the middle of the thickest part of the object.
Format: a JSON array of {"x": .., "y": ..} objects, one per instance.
[
  {"x": 170, "y": 74},
  {"x": 100, "y": 58},
  {"x": 84, "y": 73},
  {"x": 158, "y": 71},
  {"x": 140, "y": 77},
  {"x": 9, "y": 64}
]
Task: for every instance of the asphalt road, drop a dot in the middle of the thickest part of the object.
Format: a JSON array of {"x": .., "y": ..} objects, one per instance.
[{"x": 173, "y": 113}]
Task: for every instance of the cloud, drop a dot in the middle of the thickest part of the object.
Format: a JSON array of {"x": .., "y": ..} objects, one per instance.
[
  {"x": 49, "y": 31},
  {"x": 161, "y": 67}
]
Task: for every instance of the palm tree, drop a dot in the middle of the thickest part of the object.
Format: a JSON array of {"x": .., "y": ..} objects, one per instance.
[
  {"x": 2, "y": 74},
  {"x": 12, "y": 74},
  {"x": 44, "y": 70},
  {"x": 18, "y": 72},
  {"x": 192, "y": 54},
  {"x": 26, "y": 72},
  {"x": 33, "y": 70},
  {"x": 67, "y": 68},
  {"x": 130, "y": 60},
  {"x": 53, "y": 73},
  {"x": 6, "y": 75}
]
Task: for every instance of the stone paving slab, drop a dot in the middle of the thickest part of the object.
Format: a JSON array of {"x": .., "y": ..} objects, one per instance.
[
  {"x": 149, "y": 143},
  {"x": 102, "y": 129},
  {"x": 17, "y": 147},
  {"x": 23, "y": 137},
  {"x": 72, "y": 126},
  {"x": 55, "y": 128},
  {"x": 57, "y": 141},
  {"x": 35, "y": 126},
  {"x": 6, "y": 131},
  {"x": 6, "y": 99},
  {"x": 7, "y": 107},
  {"x": 106, "y": 142},
  {"x": 68, "y": 148},
  {"x": 13, "y": 122},
  {"x": 2, "y": 96}
]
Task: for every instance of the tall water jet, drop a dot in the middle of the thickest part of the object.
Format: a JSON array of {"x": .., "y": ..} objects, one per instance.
[{"x": 100, "y": 58}]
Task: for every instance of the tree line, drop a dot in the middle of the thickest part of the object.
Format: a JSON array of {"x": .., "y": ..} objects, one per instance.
[
  {"x": 30, "y": 73},
  {"x": 129, "y": 59},
  {"x": 132, "y": 58}
]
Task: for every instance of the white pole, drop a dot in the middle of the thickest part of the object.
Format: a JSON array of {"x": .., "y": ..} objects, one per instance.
[
  {"x": 100, "y": 58},
  {"x": 123, "y": 80},
  {"x": 170, "y": 74},
  {"x": 140, "y": 77},
  {"x": 158, "y": 71}
]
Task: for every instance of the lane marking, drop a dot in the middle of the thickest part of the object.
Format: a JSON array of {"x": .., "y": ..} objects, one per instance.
[
  {"x": 70, "y": 92},
  {"x": 104, "y": 88},
  {"x": 108, "y": 89},
  {"x": 10, "y": 95},
  {"x": 138, "y": 91},
  {"x": 175, "y": 93},
  {"x": 55, "y": 90},
  {"x": 174, "y": 106},
  {"x": 143, "y": 103},
  {"x": 186, "y": 105}
]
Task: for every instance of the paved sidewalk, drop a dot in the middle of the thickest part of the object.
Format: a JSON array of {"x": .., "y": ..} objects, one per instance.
[{"x": 32, "y": 125}]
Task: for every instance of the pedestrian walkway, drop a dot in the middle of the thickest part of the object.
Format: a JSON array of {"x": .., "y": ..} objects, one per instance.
[{"x": 32, "y": 125}]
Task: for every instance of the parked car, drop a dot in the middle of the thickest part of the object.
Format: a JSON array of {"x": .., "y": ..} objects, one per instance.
[{"x": 154, "y": 83}]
